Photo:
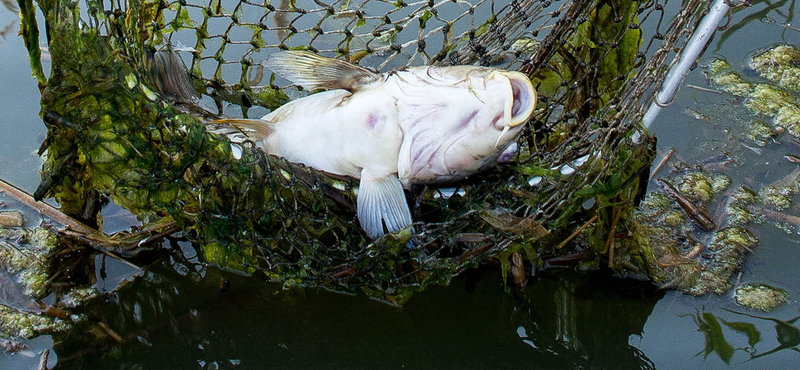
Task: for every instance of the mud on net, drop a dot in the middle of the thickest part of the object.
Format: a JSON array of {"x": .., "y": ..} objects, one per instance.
[{"x": 118, "y": 131}]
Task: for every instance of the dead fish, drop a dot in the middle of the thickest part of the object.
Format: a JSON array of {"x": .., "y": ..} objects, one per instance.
[{"x": 412, "y": 125}]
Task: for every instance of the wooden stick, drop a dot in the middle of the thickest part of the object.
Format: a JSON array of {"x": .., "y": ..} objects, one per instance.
[
  {"x": 662, "y": 163},
  {"x": 704, "y": 89},
  {"x": 110, "y": 332},
  {"x": 576, "y": 232},
  {"x": 43, "y": 360},
  {"x": 781, "y": 217},
  {"x": 49, "y": 211},
  {"x": 617, "y": 214},
  {"x": 698, "y": 214},
  {"x": 120, "y": 259},
  {"x": 611, "y": 256},
  {"x": 119, "y": 242},
  {"x": 11, "y": 219},
  {"x": 698, "y": 247}
]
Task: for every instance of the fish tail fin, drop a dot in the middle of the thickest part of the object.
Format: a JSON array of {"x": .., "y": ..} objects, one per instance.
[
  {"x": 253, "y": 129},
  {"x": 313, "y": 72}
]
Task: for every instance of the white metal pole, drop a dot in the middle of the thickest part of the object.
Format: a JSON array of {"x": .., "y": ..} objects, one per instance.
[{"x": 687, "y": 57}]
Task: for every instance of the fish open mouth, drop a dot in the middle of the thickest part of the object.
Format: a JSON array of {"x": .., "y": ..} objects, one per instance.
[
  {"x": 521, "y": 103},
  {"x": 523, "y": 99}
]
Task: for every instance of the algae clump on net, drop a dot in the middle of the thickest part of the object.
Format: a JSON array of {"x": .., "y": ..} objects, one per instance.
[{"x": 111, "y": 133}]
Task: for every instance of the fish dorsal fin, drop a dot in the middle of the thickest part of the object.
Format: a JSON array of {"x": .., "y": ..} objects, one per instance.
[{"x": 313, "y": 72}]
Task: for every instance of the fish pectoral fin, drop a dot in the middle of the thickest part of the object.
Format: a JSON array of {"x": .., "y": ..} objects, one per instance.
[
  {"x": 254, "y": 129},
  {"x": 381, "y": 200},
  {"x": 313, "y": 72}
]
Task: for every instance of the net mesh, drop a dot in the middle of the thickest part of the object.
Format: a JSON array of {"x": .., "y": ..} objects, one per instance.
[{"x": 114, "y": 131}]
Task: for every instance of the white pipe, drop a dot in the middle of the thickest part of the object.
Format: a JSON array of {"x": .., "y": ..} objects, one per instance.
[{"x": 688, "y": 56}]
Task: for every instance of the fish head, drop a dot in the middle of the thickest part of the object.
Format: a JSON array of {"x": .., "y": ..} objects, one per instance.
[
  {"x": 463, "y": 120},
  {"x": 489, "y": 136}
]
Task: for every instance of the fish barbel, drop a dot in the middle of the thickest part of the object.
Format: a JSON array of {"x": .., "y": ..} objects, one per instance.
[{"x": 412, "y": 125}]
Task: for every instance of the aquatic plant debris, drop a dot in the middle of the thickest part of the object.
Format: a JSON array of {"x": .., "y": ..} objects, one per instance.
[
  {"x": 28, "y": 325},
  {"x": 694, "y": 257},
  {"x": 23, "y": 253},
  {"x": 702, "y": 258},
  {"x": 760, "y": 297},
  {"x": 28, "y": 265},
  {"x": 767, "y": 205},
  {"x": 764, "y": 98},
  {"x": 779, "y": 64}
]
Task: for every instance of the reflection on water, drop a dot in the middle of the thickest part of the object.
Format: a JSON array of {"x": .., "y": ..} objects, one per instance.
[
  {"x": 588, "y": 319},
  {"x": 11, "y": 6},
  {"x": 786, "y": 334},
  {"x": 180, "y": 313},
  {"x": 10, "y": 27},
  {"x": 782, "y": 10},
  {"x": 7, "y": 30}
]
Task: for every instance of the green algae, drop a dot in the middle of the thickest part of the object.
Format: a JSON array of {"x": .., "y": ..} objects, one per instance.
[
  {"x": 762, "y": 98},
  {"x": 24, "y": 252},
  {"x": 685, "y": 262},
  {"x": 779, "y": 64},
  {"x": 29, "y": 325},
  {"x": 760, "y": 297}
]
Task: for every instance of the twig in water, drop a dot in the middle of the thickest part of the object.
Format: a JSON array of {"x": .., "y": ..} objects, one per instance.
[
  {"x": 120, "y": 259},
  {"x": 781, "y": 217},
  {"x": 789, "y": 26},
  {"x": 119, "y": 242},
  {"x": 43, "y": 359},
  {"x": 698, "y": 214},
  {"x": 792, "y": 158},
  {"x": 12, "y": 219},
  {"x": 49, "y": 211},
  {"x": 591, "y": 221},
  {"x": 704, "y": 89},
  {"x": 698, "y": 247},
  {"x": 662, "y": 163},
  {"x": 111, "y": 332}
]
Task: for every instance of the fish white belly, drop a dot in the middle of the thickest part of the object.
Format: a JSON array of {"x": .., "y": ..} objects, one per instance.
[{"x": 360, "y": 131}]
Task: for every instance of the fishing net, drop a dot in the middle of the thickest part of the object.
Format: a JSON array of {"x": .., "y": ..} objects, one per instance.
[{"x": 120, "y": 129}]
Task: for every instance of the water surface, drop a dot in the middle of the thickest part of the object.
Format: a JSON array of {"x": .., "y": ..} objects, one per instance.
[{"x": 176, "y": 315}]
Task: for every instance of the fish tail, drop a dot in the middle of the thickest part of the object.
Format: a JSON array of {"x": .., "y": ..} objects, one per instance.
[{"x": 254, "y": 129}]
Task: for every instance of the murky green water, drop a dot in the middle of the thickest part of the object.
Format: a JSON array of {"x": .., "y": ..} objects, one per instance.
[
  {"x": 472, "y": 324},
  {"x": 175, "y": 315}
]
